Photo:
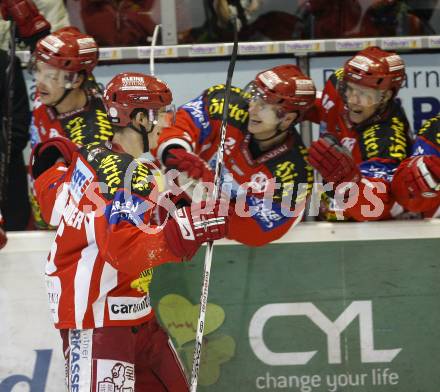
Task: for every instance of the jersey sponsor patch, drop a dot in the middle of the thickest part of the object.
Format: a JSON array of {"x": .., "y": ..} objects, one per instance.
[
  {"x": 386, "y": 140},
  {"x": 82, "y": 177},
  {"x": 422, "y": 147},
  {"x": 117, "y": 170},
  {"x": 127, "y": 207},
  {"x": 196, "y": 109},
  {"x": 267, "y": 216},
  {"x": 114, "y": 376},
  {"x": 90, "y": 126},
  {"x": 377, "y": 169},
  {"x": 128, "y": 308},
  {"x": 238, "y": 113},
  {"x": 53, "y": 288},
  {"x": 79, "y": 369}
]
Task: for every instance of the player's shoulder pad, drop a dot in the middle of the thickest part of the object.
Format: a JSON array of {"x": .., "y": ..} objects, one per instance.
[
  {"x": 118, "y": 170},
  {"x": 238, "y": 105},
  {"x": 292, "y": 171},
  {"x": 431, "y": 130},
  {"x": 388, "y": 139},
  {"x": 88, "y": 126}
]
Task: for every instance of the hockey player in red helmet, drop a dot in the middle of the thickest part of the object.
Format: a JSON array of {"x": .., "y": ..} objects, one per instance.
[
  {"x": 265, "y": 168},
  {"x": 61, "y": 63},
  {"x": 68, "y": 102},
  {"x": 364, "y": 135},
  {"x": 101, "y": 198},
  {"x": 152, "y": 113}
]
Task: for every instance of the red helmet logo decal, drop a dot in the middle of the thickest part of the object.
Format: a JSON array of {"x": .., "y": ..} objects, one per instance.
[{"x": 270, "y": 79}]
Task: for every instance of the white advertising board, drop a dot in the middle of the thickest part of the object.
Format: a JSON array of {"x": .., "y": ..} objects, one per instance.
[{"x": 31, "y": 354}]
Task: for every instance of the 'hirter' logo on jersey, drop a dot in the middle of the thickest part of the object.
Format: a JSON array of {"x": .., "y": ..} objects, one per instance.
[{"x": 81, "y": 179}]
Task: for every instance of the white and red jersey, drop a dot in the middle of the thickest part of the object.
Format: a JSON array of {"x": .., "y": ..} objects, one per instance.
[
  {"x": 101, "y": 205},
  {"x": 197, "y": 129}
]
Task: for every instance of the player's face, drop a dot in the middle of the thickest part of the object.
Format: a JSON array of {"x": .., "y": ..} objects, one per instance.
[
  {"x": 263, "y": 118},
  {"x": 362, "y": 102},
  {"x": 51, "y": 82},
  {"x": 163, "y": 119}
]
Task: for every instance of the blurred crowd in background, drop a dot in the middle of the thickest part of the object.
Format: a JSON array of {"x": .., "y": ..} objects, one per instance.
[{"x": 131, "y": 22}]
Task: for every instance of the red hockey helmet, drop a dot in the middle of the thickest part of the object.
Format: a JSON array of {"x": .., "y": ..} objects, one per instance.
[
  {"x": 68, "y": 49},
  {"x": 130, "y": 90},
  {"x": 375, "y": 68},
  {"x": 287, "y": 86}
]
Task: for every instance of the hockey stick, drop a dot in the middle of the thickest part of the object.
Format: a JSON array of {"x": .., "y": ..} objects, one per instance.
[
  {"x": 152, "y": 47},
  {"x": 216, "y": 192},
  {"x": 7, "y": 120}
]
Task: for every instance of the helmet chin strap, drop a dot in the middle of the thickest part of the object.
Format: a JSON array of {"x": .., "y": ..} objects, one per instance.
[
  {"x": 278, "y": 132},
  {"x": 144, "y": 133},
  {"x": 67, "y": 91}
]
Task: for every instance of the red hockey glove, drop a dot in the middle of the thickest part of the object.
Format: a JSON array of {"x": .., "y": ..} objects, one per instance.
[
  {"x": 3, "y": 238},
  {"x": 46, "y": 154},
  {"x": 31, "y": 25},
  {"x": 416, "y": 183},
  {"x": 192, "y": 226},
  {"x": 184, "y": 161},
  {"x": 333, "y": 161}
]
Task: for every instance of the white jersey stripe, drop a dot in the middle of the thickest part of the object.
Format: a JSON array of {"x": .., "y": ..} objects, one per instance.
[
  {"x": 109, "y": 280},
  {"x": 60, "y": 204},
  {"x": 84, "y": 271}
]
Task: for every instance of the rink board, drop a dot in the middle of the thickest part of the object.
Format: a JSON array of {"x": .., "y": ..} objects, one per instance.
[{"x": 310, "y": 313}]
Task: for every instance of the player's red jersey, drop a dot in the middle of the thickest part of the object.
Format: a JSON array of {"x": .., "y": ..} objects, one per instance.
[
  {"x": 377, "y": 145},
  {"x": 101, "y": 205},
  {"x": 427, "y": 142},
  {"x": 197, "y": 129},
  {"x": 86, "y": 125},
  {"x": 83, "y": 126}
]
